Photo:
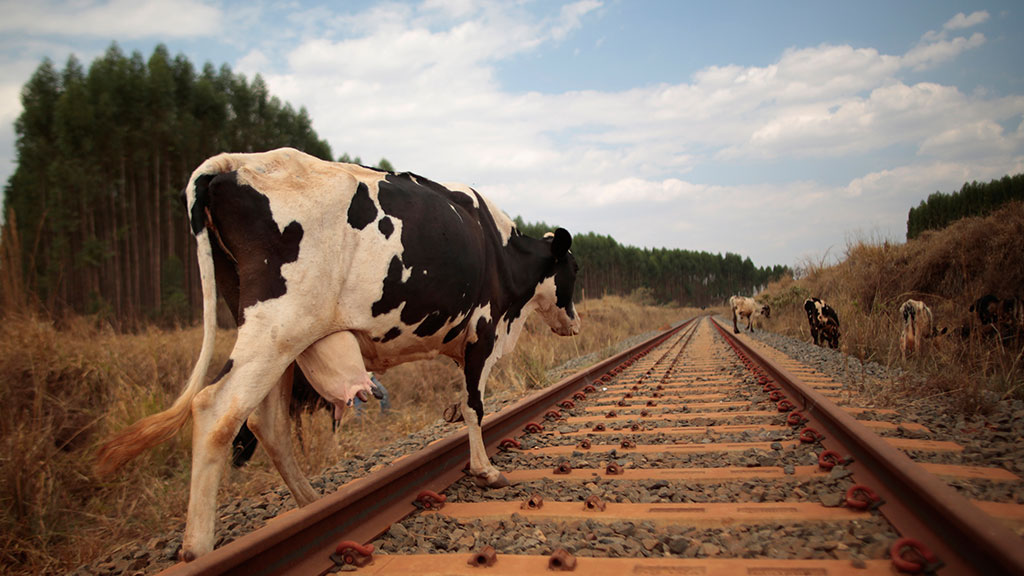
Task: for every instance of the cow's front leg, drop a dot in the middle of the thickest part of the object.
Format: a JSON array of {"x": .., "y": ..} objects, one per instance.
[
  {"x": 480, "y": 467},
  {"x": 480, "y": 357}
]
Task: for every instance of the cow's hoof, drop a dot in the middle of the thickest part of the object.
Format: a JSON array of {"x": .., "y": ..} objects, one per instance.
[
  {"x": 499, "y": 482},
  {"x": 186, "y": 555}
]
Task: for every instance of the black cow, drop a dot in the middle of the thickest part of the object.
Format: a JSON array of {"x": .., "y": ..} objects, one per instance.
[
  {"x": 343, "y": 269},
  {"x": 994, "y": 316},
  {"x": 824, "y": 322}
]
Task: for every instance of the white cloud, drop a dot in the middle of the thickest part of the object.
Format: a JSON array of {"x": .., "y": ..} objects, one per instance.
[
  {"x": 571, "y": 17},
  {"x": 253, "y": 63},
  {"x": 639, "y": 190},
  {"x": 420, "y": 84},
  {"x": 124, "y": 19},
  {"x": 928, "y": 54},
  {"x": 960, "y": 21},
  {"x": 424, "y": 92}
]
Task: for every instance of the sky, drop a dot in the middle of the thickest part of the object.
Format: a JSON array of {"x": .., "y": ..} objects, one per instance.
[{"x": 780, "y": 131}]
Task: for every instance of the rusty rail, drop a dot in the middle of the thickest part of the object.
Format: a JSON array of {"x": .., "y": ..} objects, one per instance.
[
  {"x": 301, "y": 541},
  {"x": 918, "y": 504}
]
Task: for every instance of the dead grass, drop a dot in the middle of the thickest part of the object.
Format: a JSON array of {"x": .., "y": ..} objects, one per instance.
[
  {"x": 947, "y": 270},
  {"x": 65, "y": 390}
]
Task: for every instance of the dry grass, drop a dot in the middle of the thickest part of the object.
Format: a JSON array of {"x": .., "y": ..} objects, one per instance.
[
  {"x": 64, "y": 390},
  {"x": 947, "y": 270}
]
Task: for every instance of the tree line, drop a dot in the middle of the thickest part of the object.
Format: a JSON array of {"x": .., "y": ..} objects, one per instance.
[
  {"x": 93, "y": 206},
  {"x": 973, "y": 199},
  {"x": 94, "y": 222},
  {"x": 660, "y": 274}
]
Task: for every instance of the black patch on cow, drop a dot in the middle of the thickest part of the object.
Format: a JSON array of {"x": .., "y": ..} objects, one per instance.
[
  {"x": 455, "y": 331},
  {"x": 392, "y": 296},
  {"x": 386, "y": 227},
  {"x": 453, "y": 253},
  {"x": 197, "y": 217},
  {"x": 226, "y": 274},
  {"x": 565, "y": 271},
  {"x": 245, "y": 224},
  {"x": 431, "y": 325},
  {"x": 477, "y": 354},
  {"x": 442, "y": 248},
  {"x": 909, "y": 313},
  {"x": 243, "y": 446},
  {"x": 224, "y": 371},
  {"x": 391, "y": 334},
  {"x": 361, "y": 211}
]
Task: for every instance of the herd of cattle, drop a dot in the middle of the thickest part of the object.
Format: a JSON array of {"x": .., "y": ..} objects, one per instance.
[
  {"x": 990, "y": 317},
  {"x": 333, "y": 270}
]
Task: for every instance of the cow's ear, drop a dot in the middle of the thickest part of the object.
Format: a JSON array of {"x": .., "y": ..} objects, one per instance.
[{"x": 561, "y": 243}]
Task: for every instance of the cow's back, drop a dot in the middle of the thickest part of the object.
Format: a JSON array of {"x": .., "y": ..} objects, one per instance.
[{"x": 399, "y": 260}]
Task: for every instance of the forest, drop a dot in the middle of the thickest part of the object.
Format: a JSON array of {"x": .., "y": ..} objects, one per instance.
[
  {"x": 660, "y": 275},
  {"x": 92, "y": 216},
  {"x": 973, "y": 199}
]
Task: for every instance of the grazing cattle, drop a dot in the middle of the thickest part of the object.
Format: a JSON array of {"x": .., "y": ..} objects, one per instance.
[
  {"x": 1011, "y": 319},
  {"x": 986, "y": 309},
  {"x": 918, "y": 327},
  {"x": 747, "y": 308},
  {"x": 343, "y": 269},
  {"x": 824, "y": 322},
  {"x": 999, "y": 317}
]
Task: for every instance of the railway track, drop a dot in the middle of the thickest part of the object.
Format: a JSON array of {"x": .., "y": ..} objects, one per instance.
[{"x": 692, "y": 453}]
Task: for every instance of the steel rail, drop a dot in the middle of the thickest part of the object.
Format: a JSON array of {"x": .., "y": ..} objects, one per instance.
[
  {"x": 301, "y": 541},
  {"x": 917, "y": 503}
]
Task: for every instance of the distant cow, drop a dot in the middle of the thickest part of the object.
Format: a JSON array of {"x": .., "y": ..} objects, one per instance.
[
  {"x": 999, "y": 317},
  {"x": 343, "y": 269},
  {"x": 918, "y": 327},
  {"x": 986, "y": 309},
  {"x": 747, "y": 308},
  {"x": 824, "y": 322}
]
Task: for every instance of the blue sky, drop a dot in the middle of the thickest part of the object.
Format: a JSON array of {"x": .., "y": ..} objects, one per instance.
[{"x": 780, "y": 131}]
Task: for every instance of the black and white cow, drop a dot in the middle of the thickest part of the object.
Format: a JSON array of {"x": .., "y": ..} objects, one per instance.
[
  {"x": 918, "y": 328},
  {"x": 743, "y": 306},
  {"x": 998, "y": 317},
  {"x": 343, "y": 269},
  {"x": 824, "y": 322}
]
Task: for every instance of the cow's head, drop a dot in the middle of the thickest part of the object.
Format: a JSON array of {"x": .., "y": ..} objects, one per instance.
[
  {"x": 554, "y": 295},
  {"x": 810, "y": 309}
]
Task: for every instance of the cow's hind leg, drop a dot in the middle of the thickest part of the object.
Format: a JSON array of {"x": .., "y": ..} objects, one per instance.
[
  {"x": 217, "y": 414},
  {"x": 271, "y": 424}
]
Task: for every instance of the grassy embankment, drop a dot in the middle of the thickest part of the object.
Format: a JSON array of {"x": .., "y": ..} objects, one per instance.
[
  {"x": 64, "y": 390},
  {"x": 948, "y": 270}
]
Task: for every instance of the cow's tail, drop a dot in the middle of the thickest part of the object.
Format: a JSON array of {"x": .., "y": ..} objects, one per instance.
[{"x": 160, "y": 427}]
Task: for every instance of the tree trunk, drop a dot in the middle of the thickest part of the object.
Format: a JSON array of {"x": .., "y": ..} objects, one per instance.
[{"x": 154, "y": 245}]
